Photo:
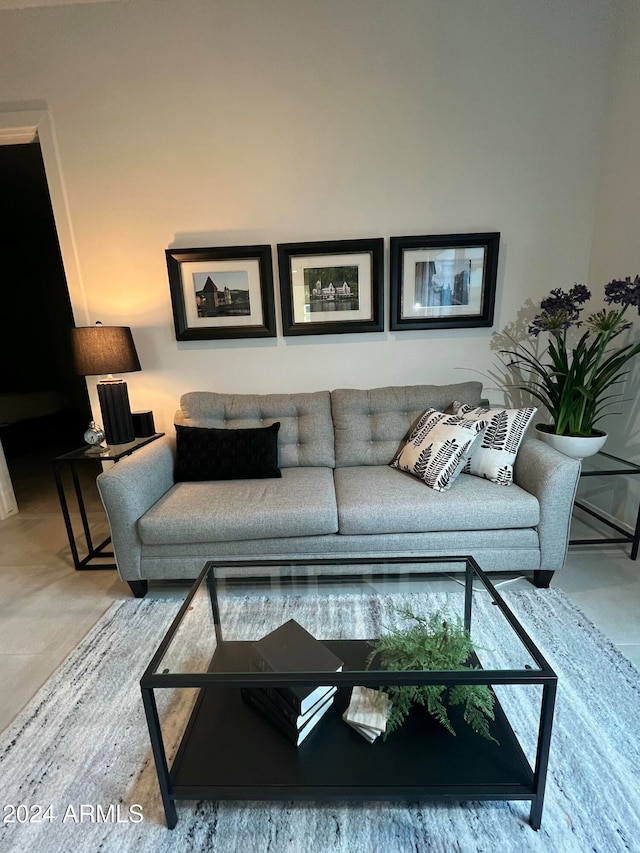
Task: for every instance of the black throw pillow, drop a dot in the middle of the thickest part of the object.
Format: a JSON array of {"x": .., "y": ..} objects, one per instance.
[{"x": 226, "y": 454}]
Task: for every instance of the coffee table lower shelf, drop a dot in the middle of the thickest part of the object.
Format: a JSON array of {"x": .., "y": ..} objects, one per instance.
[{"x": 229, "y": 751}]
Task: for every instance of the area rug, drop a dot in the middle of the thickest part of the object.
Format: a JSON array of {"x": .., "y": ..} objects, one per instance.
[{"x": 77, "y": 774}]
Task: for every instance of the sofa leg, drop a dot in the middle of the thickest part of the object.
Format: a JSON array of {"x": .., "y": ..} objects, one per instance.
[
  {"x": 139, "y": 588},
  {"x": 542, "y": 578}
]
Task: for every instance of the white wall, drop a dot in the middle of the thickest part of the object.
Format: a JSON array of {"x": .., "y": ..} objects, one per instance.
[
  {"x": 616, "y": 250},
  {"x": 226, "y": 122},
  {"x": 616, "y": 242}
]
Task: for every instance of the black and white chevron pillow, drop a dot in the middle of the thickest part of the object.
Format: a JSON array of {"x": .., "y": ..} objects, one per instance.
[
  {"x": 493, "y": 456},
  {"x": 438, "y": 447}
]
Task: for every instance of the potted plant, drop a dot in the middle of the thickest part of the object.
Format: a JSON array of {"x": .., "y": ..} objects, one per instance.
[{"x": 575, "y": 381}]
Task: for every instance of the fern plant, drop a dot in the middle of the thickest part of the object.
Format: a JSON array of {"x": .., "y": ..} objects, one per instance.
[{"x": 434, "y": 642}]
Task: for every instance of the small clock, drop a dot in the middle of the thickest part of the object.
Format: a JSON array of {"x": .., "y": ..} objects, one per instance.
[{"x": 94, "y": 435}]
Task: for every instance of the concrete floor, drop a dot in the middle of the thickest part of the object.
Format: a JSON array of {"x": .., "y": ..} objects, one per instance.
[{"x": 46, "y": 607}]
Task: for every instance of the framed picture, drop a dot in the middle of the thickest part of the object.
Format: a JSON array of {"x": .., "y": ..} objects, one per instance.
[
  {"x": 332, "y": 287},
  {"x": 222, "y": 292},
  {"x": 443, "y": 282}
]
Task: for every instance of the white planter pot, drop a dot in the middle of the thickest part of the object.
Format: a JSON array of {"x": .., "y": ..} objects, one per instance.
[{"x": 576, "y": 446}]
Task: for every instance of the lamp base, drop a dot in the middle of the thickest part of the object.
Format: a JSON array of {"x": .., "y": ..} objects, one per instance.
[{"x": 116, "y": 412}]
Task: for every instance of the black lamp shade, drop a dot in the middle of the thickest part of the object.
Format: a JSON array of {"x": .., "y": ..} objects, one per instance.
[{"x": 99, "y": 350}]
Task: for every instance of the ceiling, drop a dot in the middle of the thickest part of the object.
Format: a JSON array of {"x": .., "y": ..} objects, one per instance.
[{"x": 29, "y": 4}]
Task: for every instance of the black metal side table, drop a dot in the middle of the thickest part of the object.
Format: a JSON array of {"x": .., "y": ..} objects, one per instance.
[
  {"x": 113, "y": 453},
  {"x": 606, "y": 465}
]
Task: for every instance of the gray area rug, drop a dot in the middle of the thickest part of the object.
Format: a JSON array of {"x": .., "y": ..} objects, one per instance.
[{"x": 82, "y": 743}]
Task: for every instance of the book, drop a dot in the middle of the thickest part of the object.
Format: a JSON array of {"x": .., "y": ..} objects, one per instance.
[
  {"x": 368, "y": 734},
  {"x": 270, "y": 711},
  {"x": 368, "y": 712},
  {"x": 291, "y": 648},
  {"x": 274, "y": 697},
  {"x": 299, "y": 699}
]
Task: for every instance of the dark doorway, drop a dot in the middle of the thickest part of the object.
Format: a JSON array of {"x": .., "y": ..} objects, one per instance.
[{"x": 44, "y": 406}]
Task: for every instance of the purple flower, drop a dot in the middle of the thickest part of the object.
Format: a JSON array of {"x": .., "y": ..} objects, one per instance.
[
  {"x": 580, "y": 293},
  {"x": 574, "y": 378},
  {"x": 560, "y": 311},
  {"x": 623, "y": 291}
]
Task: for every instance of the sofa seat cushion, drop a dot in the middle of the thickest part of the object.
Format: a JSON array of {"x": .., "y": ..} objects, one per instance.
[
  {"x": 301, "y": 503},
  {"x": 380, "y": 499}
]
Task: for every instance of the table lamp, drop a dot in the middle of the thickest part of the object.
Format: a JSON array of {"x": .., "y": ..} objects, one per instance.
[{"x": 102, "y": 351}]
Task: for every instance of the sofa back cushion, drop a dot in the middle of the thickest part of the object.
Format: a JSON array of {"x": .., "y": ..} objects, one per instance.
[
  {"x": 371, "y": 425},
  {"x": 305, "y": 438}
]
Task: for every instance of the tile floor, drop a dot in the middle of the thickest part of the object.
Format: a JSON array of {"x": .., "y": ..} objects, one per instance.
[{"x": 46, "y": 607}]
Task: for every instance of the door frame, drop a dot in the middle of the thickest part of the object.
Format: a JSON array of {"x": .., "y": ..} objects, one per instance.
[
  {"x": 37, "y": 126},
  {"x": 19, "y": 128}
]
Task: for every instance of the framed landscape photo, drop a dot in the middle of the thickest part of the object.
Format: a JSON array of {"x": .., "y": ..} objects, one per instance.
[
  {"x": 443, "y": 282},
  {"x": 222, "y": 292},
  {"x": 332, "y": 287}
]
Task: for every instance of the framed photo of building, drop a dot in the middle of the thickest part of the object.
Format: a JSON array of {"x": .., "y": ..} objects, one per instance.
[
  {"x": 222, "y": 292},
  {"x": 332, "y": 287},
  {"x": 443, "y": 282}
]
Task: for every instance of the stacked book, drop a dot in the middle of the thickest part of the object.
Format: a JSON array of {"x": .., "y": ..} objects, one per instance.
[
  {"x": 368, "y": 712},
  {"x": 294, "y": 710}
]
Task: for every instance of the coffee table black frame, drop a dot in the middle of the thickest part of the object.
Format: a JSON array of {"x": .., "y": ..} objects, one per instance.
[{"x": 229, "y": 752}]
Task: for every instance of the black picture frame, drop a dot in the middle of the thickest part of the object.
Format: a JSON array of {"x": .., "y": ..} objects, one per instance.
[
  {"x": 445, "y": 281},
  {"x": 244, "y": 309},
  {"x": 313, "y": 304}
]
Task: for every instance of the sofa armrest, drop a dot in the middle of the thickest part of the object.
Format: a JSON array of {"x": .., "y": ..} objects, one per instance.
[
  {"x": 128, "y": 489},
  {"x": 552, "y": 478}
]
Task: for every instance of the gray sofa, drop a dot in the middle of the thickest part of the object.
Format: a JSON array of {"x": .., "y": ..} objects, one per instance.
[{"x": 337, "y": 497}]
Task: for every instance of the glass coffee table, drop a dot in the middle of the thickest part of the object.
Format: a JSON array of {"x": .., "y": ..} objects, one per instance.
[{"x": 227, "y": 750}]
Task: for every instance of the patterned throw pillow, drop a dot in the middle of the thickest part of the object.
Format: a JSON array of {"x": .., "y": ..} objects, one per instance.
[
  {"x": 226, "y": 454},
  {"x": 438, "y": 447},
  {"x": 493, "y": 456}
]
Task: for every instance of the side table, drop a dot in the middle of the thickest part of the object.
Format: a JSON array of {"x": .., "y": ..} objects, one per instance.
[
  {"x": 606, "y": 465},
  {"x": 113, "y": 453}
]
